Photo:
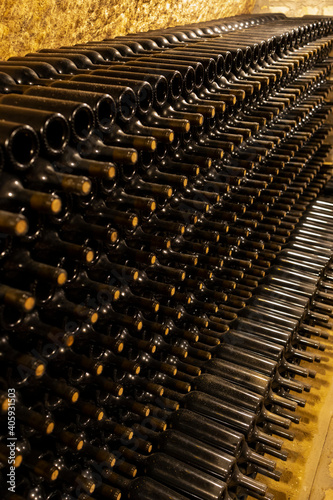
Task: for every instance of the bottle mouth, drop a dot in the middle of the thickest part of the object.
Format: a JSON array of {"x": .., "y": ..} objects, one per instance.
[
  {"x": 108, "y": 185},
  {"x": 83, "y": 121},
  {"x": 291, "y": 40},
  {"x": 274, "y": 41},
  {"x": 299, "y": 38},
  {"x": 262, "y": 52},
  {"x": 227, "y": 63},
  {"x": 105, "y": 113},
  {"x": 307, "y": 32},
  {"x": 146, "y": 158},
  {"x": 2, "y": 159},
  {"x": 127, "y": 104},
  {"x": 23, "y": 147},
  {"x": 211, "y": 71},
  {"x": 279, "y": 45},
  {"x": 248, "y": 57},
  {"x": 284, "y": 42},
  {"x": 145, "y": 97},
  {"x": 199, "y": 76},
  {"x": 255, "y": 53},
  {"x": 128, "y": 171},
  {"x": 56, "y": 134},
  {"x": 189, "y": 80},
  {"x": 176, "y": 85},
  {"x": 238, "y": 61},
  {"x": 176, "y": 143},
  {"x": 11, "y": 317},
  {"x": 161, "y": 91},
  {"x": 270, "y": 47},
  {"x": 220, "y": 66},
  {"x": 161, "y": 151}
]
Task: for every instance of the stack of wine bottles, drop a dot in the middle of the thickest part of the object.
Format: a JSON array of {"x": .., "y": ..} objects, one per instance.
[{"x": 166, "y": 241}]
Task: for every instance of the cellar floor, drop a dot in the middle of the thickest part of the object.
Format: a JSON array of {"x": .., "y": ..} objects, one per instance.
[{"x": 308, "y": 472}]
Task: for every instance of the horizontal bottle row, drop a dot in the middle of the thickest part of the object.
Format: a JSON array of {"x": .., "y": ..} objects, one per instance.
[{"x": 165, "y": 258}]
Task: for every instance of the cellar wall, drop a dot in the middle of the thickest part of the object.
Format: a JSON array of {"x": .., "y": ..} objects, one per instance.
[
  {"x": 295, "y": 8},
  {"x": 30, "y": 25}
]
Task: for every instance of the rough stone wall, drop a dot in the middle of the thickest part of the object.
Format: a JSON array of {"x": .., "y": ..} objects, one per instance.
[
  {"x": 30, "y": 25},
  {"x": 295, "y": 8}
]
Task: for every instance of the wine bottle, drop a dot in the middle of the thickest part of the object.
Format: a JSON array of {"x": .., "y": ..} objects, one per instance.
[
  {"x": 19, "y": 299},
  {"x": 142, "y": 488},
  {"x": 71, "y": 161},
  {"x": 141, "y": 89},
  {"x": 36, "y": 462},
  {"x": 25, "y": 364},
  {"x": 33, "y": 419},
  {"x": 217, "y": 463},
  {"x": 15, "y": 195},
  {"x": 218, "y": 435},
  {"x": 46, "y": 178},
  {"x": 189, "y": 480},
  {"x": 103, "y": 105},
  {"x": 50, "y": 245},
  {"x": 80, "y": 128},
  {"x": 77, "y": 224},
  {"x": 158, "y": 82},
  {"x": 30, "y": 327},
  {"x": 21, "y": 263}
]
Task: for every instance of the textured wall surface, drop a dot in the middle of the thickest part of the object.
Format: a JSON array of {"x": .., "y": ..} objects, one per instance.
[
  {"x": 29, "y": 25},
  {"x": 295, "y": 8}
]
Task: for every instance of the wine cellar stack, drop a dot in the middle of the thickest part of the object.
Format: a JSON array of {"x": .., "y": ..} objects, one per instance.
[{"x": 166, "y": 258}]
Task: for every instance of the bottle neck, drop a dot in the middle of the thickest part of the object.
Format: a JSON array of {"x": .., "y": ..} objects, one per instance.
[
  {"x": 15, "y": 194},
  {"x": 22, "y": 261},
  {"x": 95, "y": 149},
  {"x": 132, "y": 456},
  {"x": 119, "y": 481}
]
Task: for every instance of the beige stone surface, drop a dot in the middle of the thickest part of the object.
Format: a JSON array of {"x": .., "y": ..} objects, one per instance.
[
  {"x": 30, "y": 25},
  {"x": 307, "y": 474},
  {"x": 322, "y": 487},
  {"x": 295, "y": 8}
]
